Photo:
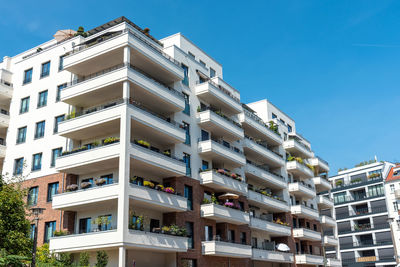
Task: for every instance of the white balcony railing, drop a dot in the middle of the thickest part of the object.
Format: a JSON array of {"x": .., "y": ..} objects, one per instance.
[
  {"x": 319, "y": 163},
  {"x": 330, "y": 241},
  {"x": 221, "y": 152},
  {"x": 299, "y": 170},
  {"x": 220, "y": 213},
  {"x": 328, "y": 221},
  {"x": 333, "y": 262},
  {"x": 226, "y": 249},
  {"x": 271, "y": 256},
  {"x": 297, "y": 149},
  {"x": 222, "y": 182},
  {"x": 267, "y": 202},
  {"x": 309, "y": 259},
  {"x": 324, "y": 202},
  {"x": 322, "y": 184},
  {"x": 306, "y": 234},
  {"x": 267, "y": 177},
  {"x": 301, "y": 190},
  {"x": 274, "y": 229},
  {"x": 2, "y": 151},
  {"x": 156, "y": 242},
  {"x": 304, "y": 212},
  {"x": 263, "y": 152}
]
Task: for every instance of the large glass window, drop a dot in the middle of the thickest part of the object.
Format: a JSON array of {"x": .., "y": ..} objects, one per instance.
[
  {"x": 28, "y": 76},
  {"x": 55, "y": 153},
  {"x": 45, "y": 69},
  {"x": 33, "y": 196},
  {"x": 375, "y": 190},
  {"x": 52, "y": 190},
  {"x": 189, "y": 196},
  {"x": 186, "y": 126},
  {"x": 339, "y": 197},
  {"x": 49, "y": 229},
  {"x": 185, "y": 80},
  {"x": 57, "y": 120},
  {"x": 18, "y": 166},
  {"x": 190, "y": 233},
  {"x": 59, "y": 89},
  {"x": 84, "y": 225},
  {"x": 208, "y": 233},
  {"x": 212, "y": 73},
  {"x": 24, "y": 105},
  {"x": 42, "y": 100},
  {"x": 186, "y": 159},
  {"x": 108, "y": 178},
  {"x": 40, "y": 127},
  {"x": 21, "y": 135},
  {"x": 37, "y": 162},
  {"x": 187, "y": 104}
]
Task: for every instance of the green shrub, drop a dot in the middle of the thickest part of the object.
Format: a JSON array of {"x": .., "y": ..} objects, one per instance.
[
  {"x": 102, "y": 259},
  {"x": 84, "y": 259}
]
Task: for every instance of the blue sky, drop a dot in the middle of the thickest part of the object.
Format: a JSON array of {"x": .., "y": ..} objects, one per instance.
[{"x": 333, "y": 66}]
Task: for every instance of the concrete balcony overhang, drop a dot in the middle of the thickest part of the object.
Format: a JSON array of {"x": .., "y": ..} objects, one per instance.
[
  {"x": 299, "y": 170},
  {"x": 328, "y": 221},
  {"x": 397, "y": 193},
  {"x": 210, "y": 93},
  {"x": 331, "y": 241},
  {"x": 4, "y": 120},
  {"x": 324, "y": 202},
  {"x": 225, "y": 249},
  {"x": 302, "y": 191},
  {"x": 73, "y": 201},
  {"x": 222, "y": 183},
  {"x": 273, "y": 181},
  {"x": 268, "y": 203},
  {"x": 273, "y": 229},
  {"x": 108, "y": 85},
  {"x": 220, "y": 153},
  {"x": 2, "y": 151},
  {"x": 219, "y": 126},
  {"x": 304, "y": 212},
  {"x": 220, "y": 213},
  {"x": 309, "y": 259},
  {"x": 260, "y": 152},
  {"x": 86, "y": 60},
  {"x": 6, "y": 93},
  {"x": 306, "y": 234},
  {"x": 255, "y": 127},
  {"x": 156, "y": 242},
  {"x": 153, "y": 199},
  {"x": 90, "y": 161},
  {"x": 333, "y": 262},
  {"x": 319, "y": 163},
  {"x": 154, "y": 163},
  {"x": 89, "y": 241},
  {"x": 322, "y": 184},
  {"x": 272, "y": 256},
  {"x": 295, "y": 148}
]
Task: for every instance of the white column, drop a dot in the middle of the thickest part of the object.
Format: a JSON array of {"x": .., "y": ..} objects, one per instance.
[
  {"x": 127, "y": 55},
  {"x": 121, "y": 257}
]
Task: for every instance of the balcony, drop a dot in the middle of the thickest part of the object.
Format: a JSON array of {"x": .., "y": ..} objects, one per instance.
[
  {"x": 267, "y": 202},
  {"x": 89, "y": 160},
  {"x": 156, "y": 242},
  {"x": 149, "y": 198},
  {"x": 221, "y": 182},
  {"x": 397, "y": 193},
  {"x": 299, "y": 170},
  {"x": 366, "y": 243},
  {"x": 364, "y": 212},
  {"x": 333, "y": 262},
  {"x": 328, "y": 221},
  {"x": 220, "y": 213},
  {"x": 324, "y": 202},
  {"x": 220, "y": 125},
  {"x": 6, "y": 91},
  {"x": 274, "y": 229},
  {"x": 79, "y": 242},
  {"x": 364, "y": 227},
  {"x": 272, "y": 256},
  {"x": 4, "y": 119},
  {"x": 320, "y": 164},
  {"x": 215, "y": 95},
  {"x": 302, "y": 211},
  {"x": 106, "y": 84},
  {"x": 155, "y": 163},
  {"x": 330, "y": 241},
  {"x": 262, "y": 152},
  {"x": 254, "y": 126},
  {"x": 260, "y": 173},
  {"x": 322, "y": 184},
  {"x": 72, "y": 201},
  {"x": 306, "y": 234},
  {"x": 109, "y": 50},
  {"x": 309, "y": 259},
  {"x": 301, "y": 190},
  {"x": 225, "y": 249},
  {"x": 221, "y": 153},
  {"x": 297, "y": 148}
]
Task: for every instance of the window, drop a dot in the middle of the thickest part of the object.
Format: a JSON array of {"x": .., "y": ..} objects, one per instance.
[
  {"x": 105, "y": 222},
  {"x": 21, "y": 135},
  {"x": 202, "y": 63},
  {"x": 185, "y": 80},
  {"x": 186, "y": 159},
  {"x": 37, "y": 162},
  {"x": 42, "y": 100},
  {"x": 254, "y": 242},
  {"x": 57, "y": 120},
  {"x": 108, "y": 178},
  {"x": 55, "y": 153},
  {"x": 188, "y": 263},
  {"x": 49, "y": 229},
  {"x": 231, "y": 236},
  {"x": 375, "y": 190},
  {"x": 28, "y": 76},
  {"x": 187, "y": 104},
  {"x": 208, "y": 233},
  {"x": 315, "y": 227},
  {"x": 40, "y": 126},
  {"x": 243, "y": 238},
  {"x": 282, "y": 121},
  {"x": 186, "y": 126},
  {"x": 32, "y": 231},
  {"x": 205, "y": 135},
  {"x": 204, "y": 165},
  {"x": 24, "y": 105},
  {"x": 289, "y": 128},
  {"x": 241, "y": 205},
  {"x": 395, "y": 206},
  {"x": 189, "y": 195},
  {"x": 61, "y": 63},
  {"x": 392, "y": 188},
  {"x": 190, "y": 232},
  {"x": 18, "y": 166},
  {"x": 59, "y": 89},
  {"x": 84, "y": 225},
  {"x": 274, "y": 116},
  {"x": 33, "y": 196},
  {"x": 308, "y": 225},
  {"x": 212, "y": 73},
  {"x": 339, "y": 197},
  {"x": 191, "y": 55},
  {"x": 52, "y": 189},
  {"x": 45, "y": 69}
]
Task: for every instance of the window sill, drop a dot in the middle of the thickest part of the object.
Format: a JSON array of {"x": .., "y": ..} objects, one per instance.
[
  {"x": 25, "y": 83},
  {"x": 40, "y": 137},
  {"x": 42, "y": 77},
  {"x": 36, "y": 170},
  {"x": 42, "y": 106},
  {"x": 20, "y": 143}
]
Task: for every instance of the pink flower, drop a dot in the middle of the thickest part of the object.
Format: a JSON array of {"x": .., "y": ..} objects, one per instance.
[{"x": 228, "y": 204}]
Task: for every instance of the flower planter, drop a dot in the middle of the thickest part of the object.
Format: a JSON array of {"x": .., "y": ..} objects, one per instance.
[
  {"x": 85, "y": 185},
  {"x": 72, "y": 187},
  {"x": 100, "y": 181}
]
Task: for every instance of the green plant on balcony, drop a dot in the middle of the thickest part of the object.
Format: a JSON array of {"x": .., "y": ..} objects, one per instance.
[
  {"x": 214, "y": 199},
  {"x": 144, "y": 143},
  {"x": 274, "y": 127},
  {"x": 356, "y": 180},
  {"x": 167, "y": 153},
  {"x": 205, "y": 201},
  {"x": 339, "y": 183},
  {"x": 148, "y": 184},
  {"x": 101, "y": 220},
  {"x": 299, "y": 160},
  {"x": 71, "y": 115},
  {"x": 60, "y": 233},
  {"x": 110, "y": 140},
  {"x": 136, "y": 222},
  {"x": 198, "y": 109},
  {"x": 310, "y": 166},
  {"x": 374, "y": 175}
]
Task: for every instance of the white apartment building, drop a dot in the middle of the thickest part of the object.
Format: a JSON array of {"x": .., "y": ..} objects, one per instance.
[
  {"x": 362, "y": 215},
  {"x": 138, "y": 147}
]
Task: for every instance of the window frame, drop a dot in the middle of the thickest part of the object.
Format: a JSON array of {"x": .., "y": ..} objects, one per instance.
[
  {"x": 18, "y": 135},
  {"x": 42, "y": 102},
  {"x": 37, "y": 127},
  {"x": 45, "y": 69},
  {"x": 29, "y": 79},
  {"x": 39, "y": 167},
  {"x": 27, "y": 99}
]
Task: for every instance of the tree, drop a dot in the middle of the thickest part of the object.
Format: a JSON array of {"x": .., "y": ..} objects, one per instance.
[
  {"x": 14, "y": 227},
  {"x": 102, "y": 259},
  {"x": 84, "y": 259},
  {"x": 46, "y": 258}
]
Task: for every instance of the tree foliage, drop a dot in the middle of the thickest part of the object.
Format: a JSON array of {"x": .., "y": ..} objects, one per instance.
[{"x": 102, "y": 258}]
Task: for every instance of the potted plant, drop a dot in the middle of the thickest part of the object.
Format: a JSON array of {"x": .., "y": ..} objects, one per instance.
[
  {"x": 229, "y": 204},
  {"x": 206, "y": 201},
  {"x": 198, "y": 109},
  {"x": 159, "y": 187},
  {"x": 144, "y": 143},
  {"x": 174, "y": 229},
  {"x": 133, "y": 179},
  {"x": 148, "y": 184},
  {"x": 85, "y": 185},
  {"x": 72, "y": 187},
  {"x": 234, "y": 175},
  {"x": 60, "y": 233},
  {"x": 214, "y": 199},
  {"x": 165, "y": 229},
  {"x": 339, "y": 183},
  {"x": 167, "y": 153},
  {"x": 169, "y": 190},
  {"x": 100, "y": 181}
]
